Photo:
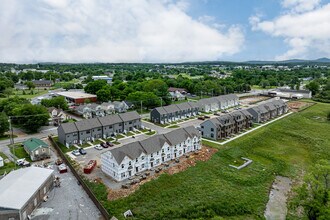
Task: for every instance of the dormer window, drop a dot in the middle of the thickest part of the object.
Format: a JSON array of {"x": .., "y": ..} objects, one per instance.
[{"x": 122, "y": 166}]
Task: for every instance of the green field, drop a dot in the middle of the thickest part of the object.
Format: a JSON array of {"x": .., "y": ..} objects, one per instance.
[
  {"x": 212, "y": 189},
  {"x": 19, "y": 152}
]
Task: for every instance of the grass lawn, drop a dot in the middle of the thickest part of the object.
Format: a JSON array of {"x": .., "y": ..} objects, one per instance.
[
  {"x": 259, "y": 87},
  {"x": 7, "y": 166},
  {"x": 150, "y": 133},
  {"x": 174, "y": 126},
  {"x": 109, "y": 139},
  {"x": 137, "y": 132},
  {"x": 212, "y": 189},
  {"x": 116, "y": 142},
  {"x": 64, "y": 148},
  {"x": 129, "y": 134},
  {"x": 120, "y": 136},
  {"x": 84, "y": 145},
  {"x": 97, "y": 141},
  {"x": 19, "y": 152},
  {"x": 28, "y": 95}
]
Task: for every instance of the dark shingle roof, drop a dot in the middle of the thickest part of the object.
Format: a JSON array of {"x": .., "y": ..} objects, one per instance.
[
  {"x": 177, "y": 136},
  {"x": 132, "y": 150},
  {"x": 153, "y": 144},
  {"x": 192, "y": 131},
  {"x": 68, "y": 127},
  {"x": 129, "y": 116},
  {"x": 171, "y": 108},
  {"x": 183, "y": 106},
  {"x": 88, "y": 124},
  {"x": 161, "y": 110},
  {"x": 110, "y": 120}
]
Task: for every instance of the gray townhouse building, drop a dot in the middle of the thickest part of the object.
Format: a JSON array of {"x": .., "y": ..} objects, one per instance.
[
  {"x": 266, "y": 111},
  {"x": 226, "y": 125},
  {"x": 170, "y": 113},
  {"x": 101, "y": 127},
  {"x": 218, "y": 103}
]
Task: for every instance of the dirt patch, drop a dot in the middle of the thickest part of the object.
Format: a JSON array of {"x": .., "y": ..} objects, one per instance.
[
  {"x": 203, "y": 155},
  {"x": 250, "y": 100},
  {"x": 296, "y": 106},
  {"x": 276, "y": 208}
]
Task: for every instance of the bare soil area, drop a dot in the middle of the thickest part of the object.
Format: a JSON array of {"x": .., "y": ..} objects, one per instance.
[
  {"x": 296, "y": 106},
  {"x": 250, "y": 100},
  {"x": 203, "y": 155}
]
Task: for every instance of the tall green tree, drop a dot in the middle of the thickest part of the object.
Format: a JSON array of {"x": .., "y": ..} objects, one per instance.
[
  {"x": 4, "y": 124},
  {"x": 94, "y": 86},
  {"x": 314, "y": 87},
  {"x": 57, "y": 102},
  {"x": 103, "y": 95},
  {"x": 30, "y": 85},
  {"x": 31, "y": 117}
]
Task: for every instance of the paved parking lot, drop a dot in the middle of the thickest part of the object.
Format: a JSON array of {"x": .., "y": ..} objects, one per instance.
[{"x": 69, "y": 201}]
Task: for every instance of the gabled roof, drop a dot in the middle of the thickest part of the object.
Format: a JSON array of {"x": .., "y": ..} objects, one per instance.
[
  {"x": 33, "y": 144},
  {"x": 132, "y": 150},
  {"x": 153, "y": 144},
  {"x": 176, "y": 136},
  {"x": 88, "y": 124},
  {"x": 225, "y": 119},
  {"x": 183, "y": 106},
  {"x": 192, "y": 131},
  {"x": 193, "y": 104},
  {"x": 171, "y": 108},
  {"x": 270, "y": 106},
  {"x": 246, "y": 113},
  {"x": 262, "y": 109},
  {"x": 68, "y": 127},
  {"x": 110, "y": 120},
  {"x": 161, "y": 110},
  {"x": 129, "y": 116}
]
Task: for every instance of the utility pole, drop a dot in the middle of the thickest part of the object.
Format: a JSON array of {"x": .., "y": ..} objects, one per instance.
[
  {"x": 11, "y": 131},
  {"x": 161, "y": 101}
]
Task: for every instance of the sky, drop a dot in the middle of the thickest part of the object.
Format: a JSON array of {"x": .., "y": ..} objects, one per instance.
[{"x": 75, "y": 31}]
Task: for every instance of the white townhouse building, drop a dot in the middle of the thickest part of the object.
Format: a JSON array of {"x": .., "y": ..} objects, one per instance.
[{"x": 125, "y": 161}]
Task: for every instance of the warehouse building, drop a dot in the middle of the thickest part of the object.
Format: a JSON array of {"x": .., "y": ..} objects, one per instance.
[
  {"x": 22, "y": 191},
  {"x": 78, "y": 97}
]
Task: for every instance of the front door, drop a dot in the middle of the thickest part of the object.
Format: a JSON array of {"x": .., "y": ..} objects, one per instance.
[
  {"x": 163, "y": 159},
  {"x": 129, "y": 173},
  {"x": 136, "y": 169},
  {"x": 151, "y": 164}
]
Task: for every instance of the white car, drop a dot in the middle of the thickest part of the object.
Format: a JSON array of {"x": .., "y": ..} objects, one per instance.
[
  {"x": 98, "y": 147},
  {"x": 76, "y": 152}
]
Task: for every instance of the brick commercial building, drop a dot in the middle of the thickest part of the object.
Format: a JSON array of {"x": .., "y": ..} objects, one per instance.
[
  {"x": 78, "y": 97},
  {"x": 22, "y": 191}
]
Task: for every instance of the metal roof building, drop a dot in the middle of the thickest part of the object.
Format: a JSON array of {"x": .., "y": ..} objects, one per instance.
[{"x": 21, "y": 191}]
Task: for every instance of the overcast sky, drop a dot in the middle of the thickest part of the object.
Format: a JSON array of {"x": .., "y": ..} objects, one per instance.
[{"x": 163, "y": 30}]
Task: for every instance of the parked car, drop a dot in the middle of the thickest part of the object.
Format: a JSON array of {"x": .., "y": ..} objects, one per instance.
[
  {"x": 206, "y": 116},
  {"x": 98, "y": 147},
  {"x": 82, "y": 151},
  {"x": 104, "y": 145},
  {"x": 201, "y": 118},
  {"x": 75, "y": 152},
  {"x": 225, "y": 111},
  {"x": 110, "y": 144},
  {"x": 217, "y": 114},
  {"x": 23, "y": 162}
]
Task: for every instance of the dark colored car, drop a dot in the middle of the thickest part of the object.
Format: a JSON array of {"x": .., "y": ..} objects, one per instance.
[
  {"x": 104, "y": 145},
  {"x": 201, "y": 118},
  {"x": 110, "y": 144},
  {"x": 82, "y": 151},
  {"x": 206, "y": 116}
]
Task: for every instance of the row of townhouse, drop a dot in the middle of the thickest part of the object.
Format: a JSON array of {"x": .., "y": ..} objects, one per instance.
[
  {"x": 101, "y": 127},
  {"x": 174, "y": 112},
  {"x": 125, "y": 161},
  {"x": 226, "y": 125},
  {"x": 268, "y": 110},
  {"x": 218, "y": 103},
  {"x": 100, "y": 110}
]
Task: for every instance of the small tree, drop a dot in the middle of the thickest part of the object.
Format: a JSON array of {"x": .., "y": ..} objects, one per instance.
[{"x": 8, "y": 91}]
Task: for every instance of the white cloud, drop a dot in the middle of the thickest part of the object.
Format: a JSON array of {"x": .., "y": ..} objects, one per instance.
[
  {"x": 300, "y": 5},
  {"x": 109, "y": 31},
  {"x": 304, "y": 32}
]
